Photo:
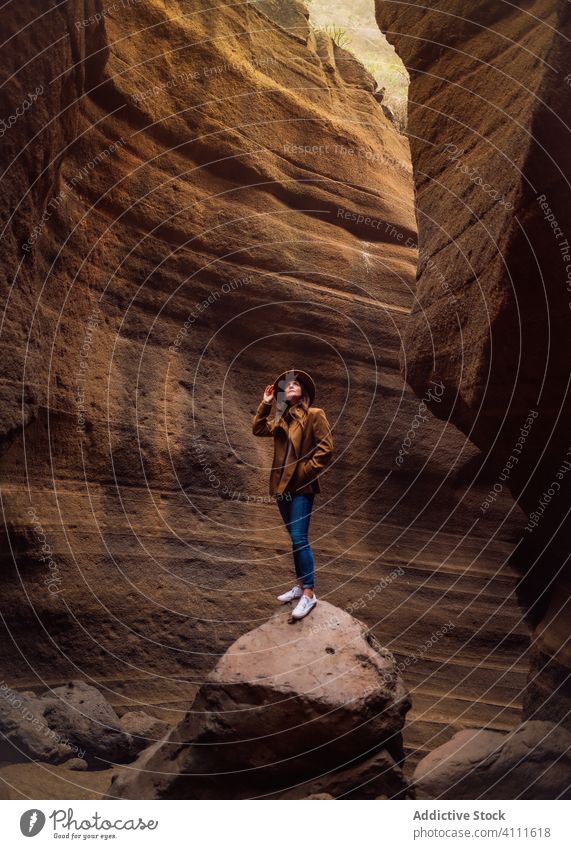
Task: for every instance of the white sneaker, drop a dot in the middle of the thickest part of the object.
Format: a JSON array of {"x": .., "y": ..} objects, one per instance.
[
  {"x": 304, "y": 605},
  {"x": 291, "y": 595}
]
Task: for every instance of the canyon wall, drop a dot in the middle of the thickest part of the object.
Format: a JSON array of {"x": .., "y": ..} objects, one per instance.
[
  {"x": 194, "y": 199},
  {"x": 489, "y": 110},
  {"x": 175, "y": 231}
]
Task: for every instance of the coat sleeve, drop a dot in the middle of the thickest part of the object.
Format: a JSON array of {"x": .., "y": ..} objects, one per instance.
[
  {"x": 323, "y": 451},
  {"x": 261, "y": 423}
]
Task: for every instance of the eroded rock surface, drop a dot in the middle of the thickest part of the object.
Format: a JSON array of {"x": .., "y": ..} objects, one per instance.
[
  {"x": 489, "y": 127},
  {"x": 196, "y": 210},
  {"x": 69, "y": 722},
  {"x": 192, "y": 200}
]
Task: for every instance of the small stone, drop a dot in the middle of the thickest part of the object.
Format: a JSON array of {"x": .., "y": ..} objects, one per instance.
[
  {"x": 320, "y": 796},
  {"x": 77, "y": 764}
]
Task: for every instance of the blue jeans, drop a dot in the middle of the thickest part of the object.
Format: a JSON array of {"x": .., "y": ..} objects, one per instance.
[{"x": 296, "y": 513}]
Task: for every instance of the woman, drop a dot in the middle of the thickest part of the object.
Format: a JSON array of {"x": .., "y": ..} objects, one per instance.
[{"x": 303, "y": 447}]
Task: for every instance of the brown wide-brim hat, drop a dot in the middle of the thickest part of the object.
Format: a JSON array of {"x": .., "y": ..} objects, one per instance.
[{"x": 296, "y": 374}]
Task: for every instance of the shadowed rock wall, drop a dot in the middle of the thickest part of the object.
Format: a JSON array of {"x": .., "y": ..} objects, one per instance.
[{"x": 489, "y": 128}]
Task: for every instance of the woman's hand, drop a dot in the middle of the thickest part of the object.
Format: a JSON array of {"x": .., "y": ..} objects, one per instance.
[{"x": 269, "y": 393}]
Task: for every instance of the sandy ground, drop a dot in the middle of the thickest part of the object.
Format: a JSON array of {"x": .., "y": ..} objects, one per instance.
[{"x": 45, "y": 781}]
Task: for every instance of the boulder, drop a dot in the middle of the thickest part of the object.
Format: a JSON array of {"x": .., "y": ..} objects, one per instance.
[
  {"x": 143, "y": 729},
  {"x": 291, "y": 709},
  {"x": 83, "y": 717},
  {"x": 363, "y": 779},
  {"x": 24, "y": 732},
  {"x": 531, "y": 762},
  {"x": 74, "y": 721}
]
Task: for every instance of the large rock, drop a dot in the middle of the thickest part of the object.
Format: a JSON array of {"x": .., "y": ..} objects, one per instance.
[
  {"x": 489, "y": 123},
  {"x": 531, "y": 762},
  {"x": 287, "y": 705},
  {"x": 82, "y": 715},
  {"x": 24, "y": 733},
  {"x": 72, "y": 721}
]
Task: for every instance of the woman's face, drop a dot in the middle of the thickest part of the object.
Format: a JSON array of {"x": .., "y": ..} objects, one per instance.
[{"x": 293, "y": 391}]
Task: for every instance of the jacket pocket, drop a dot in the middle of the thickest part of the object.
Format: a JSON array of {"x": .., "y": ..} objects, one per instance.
[{"x": 303, "y": 473}]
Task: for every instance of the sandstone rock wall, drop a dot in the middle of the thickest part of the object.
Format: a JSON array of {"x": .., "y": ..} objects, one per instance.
[
  {"x": 488, "y": 122},
  {"x": 195, "y": 201}
]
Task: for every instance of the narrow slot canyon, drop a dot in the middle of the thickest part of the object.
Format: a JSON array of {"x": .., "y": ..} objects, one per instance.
[{"x": 201, "y": 196}]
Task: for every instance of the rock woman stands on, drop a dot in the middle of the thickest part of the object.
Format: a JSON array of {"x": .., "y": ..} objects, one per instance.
[{"x": 303, "y": 447}]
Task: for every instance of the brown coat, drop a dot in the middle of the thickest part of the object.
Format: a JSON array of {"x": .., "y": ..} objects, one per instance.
[{"x": 312, "y": 447}]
